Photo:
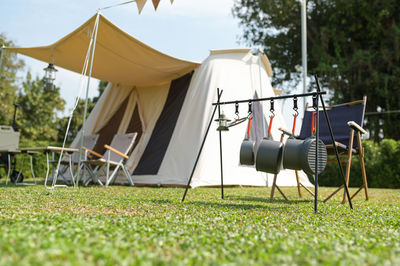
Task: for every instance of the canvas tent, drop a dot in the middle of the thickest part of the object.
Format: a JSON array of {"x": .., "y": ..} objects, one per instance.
[{"x": 168, "y": 102}]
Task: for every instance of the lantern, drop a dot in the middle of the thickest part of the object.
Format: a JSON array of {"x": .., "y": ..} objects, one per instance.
[
  {"x": 50, "y": 75},
  {"x": 222, "y": 122}
]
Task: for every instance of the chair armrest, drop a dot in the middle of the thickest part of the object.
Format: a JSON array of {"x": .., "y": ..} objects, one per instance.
[
  {"x": 356, "y": 127},
  {"x": 286, "y": 132},
  {"x": 116, "y": 151},
  {"x": 92, "y": 152}
]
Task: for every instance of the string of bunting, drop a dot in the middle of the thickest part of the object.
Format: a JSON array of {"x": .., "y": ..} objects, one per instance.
[{"x": 139, "y": 3}]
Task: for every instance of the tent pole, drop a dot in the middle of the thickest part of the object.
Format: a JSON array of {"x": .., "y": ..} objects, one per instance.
[
  {"x": 86, "y": 98},
  {"x": 220, "y": 150},
  {"x": 260, "y": 53},
  {"x": 334, "y": 143},
  {"x": 201, "y": 148}
]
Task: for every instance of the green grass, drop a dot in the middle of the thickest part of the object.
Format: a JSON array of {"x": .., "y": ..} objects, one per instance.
[{"x": 124, "y": 225}]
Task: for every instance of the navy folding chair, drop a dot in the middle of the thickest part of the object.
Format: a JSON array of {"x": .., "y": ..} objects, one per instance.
[{"x": 346, "y": 121}]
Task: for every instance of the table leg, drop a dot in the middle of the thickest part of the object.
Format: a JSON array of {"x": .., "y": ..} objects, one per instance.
[
  {"x": 48, "y": 169},
  {"x": 9, "y": 168},
  {"x": 32, "y": 171}
]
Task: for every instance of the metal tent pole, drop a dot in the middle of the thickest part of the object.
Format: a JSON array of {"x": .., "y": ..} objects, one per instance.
[
  {"x": 86, "y": 98},
  {"x": 220, "y": 152},
  {"x": 201, "y": 148},
  {"x": 260, "y": 53},
  {"x": 334, "y": 143}
]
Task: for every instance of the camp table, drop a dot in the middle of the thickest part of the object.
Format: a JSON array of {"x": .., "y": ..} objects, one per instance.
[{"x": 47, "y": 150}]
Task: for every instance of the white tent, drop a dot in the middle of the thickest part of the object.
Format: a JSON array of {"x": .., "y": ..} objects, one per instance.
[
  {"x": 169, "y": 103},
  {"x": 172, "y": 121}
]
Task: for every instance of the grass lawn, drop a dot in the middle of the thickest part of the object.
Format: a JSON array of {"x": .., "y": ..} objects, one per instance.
[{"x": 124, "y": 225}]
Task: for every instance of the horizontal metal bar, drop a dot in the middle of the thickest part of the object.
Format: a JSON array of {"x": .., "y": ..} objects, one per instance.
[{"x": 273, "y": 98}]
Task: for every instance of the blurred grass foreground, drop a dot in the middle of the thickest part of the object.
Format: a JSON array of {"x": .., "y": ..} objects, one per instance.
[{"x": 125, "y": 226}]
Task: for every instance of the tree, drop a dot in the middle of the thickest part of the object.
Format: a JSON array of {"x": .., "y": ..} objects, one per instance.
[
  {"x": 39, "y": 105},
  {"x": 354, "y": 46},
  {"x": 102, "y": 86},
  {"x": 8, "y": 86}
]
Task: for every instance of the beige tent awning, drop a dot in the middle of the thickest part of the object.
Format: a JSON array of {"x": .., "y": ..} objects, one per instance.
[{"x": 119, "y": 58}]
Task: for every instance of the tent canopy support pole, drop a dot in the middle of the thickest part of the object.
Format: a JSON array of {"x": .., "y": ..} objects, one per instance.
[
  {"x": 220, "y": 152},
  {"x": 201, "y": 148},
  {"x": 86, "y": 98}
]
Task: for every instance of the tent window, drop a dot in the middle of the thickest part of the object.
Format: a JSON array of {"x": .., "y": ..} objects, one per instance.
[
  {"x": 135, "y": 125},
  {"x": 153, "y": 155},
  {"x": 107, "y": 132}
]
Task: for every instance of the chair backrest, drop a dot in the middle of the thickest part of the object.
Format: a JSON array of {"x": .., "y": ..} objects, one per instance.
[
  {"x": 121, "y": 142},
  {"x": 338, "y": 115},
  {"x": 88, "y": 142}
]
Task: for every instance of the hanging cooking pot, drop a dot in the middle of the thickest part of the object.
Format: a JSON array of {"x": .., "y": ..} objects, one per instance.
[
  {"x": 247, "y": 148},
  {"x": 300, "y": 154},
  {"x": 269, "y": 152}
]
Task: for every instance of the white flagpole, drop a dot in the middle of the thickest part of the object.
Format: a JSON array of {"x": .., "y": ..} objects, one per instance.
[{"x": 304, "y": 46}]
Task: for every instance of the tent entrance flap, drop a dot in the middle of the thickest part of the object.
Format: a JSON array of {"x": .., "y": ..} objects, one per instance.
[
  {"x": 151, "y": 160},
  {"x": 135, "y": 125},
  {"x": 107, "y": 132}
]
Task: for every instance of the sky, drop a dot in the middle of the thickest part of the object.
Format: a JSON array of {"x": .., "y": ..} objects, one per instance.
[{"x": 187, "y": 29}]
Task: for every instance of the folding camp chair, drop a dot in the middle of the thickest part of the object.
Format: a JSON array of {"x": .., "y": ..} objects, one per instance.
[
  {"x": 116, "y": 155},
  {"x": 70, "y": 161},
  {"x": 346, "y": 119}
]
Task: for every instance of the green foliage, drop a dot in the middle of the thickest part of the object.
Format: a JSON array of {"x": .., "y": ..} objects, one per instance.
[
  {"x": 148, "y": 226},
  {"x": 8, "y": 88},
  {"x": 102, "y": 86},
  {"x": 76, "y": 121},
  {"x": 382, "y": 164},
  {"x": 39, "y": 104},
  {"x": 353, "y": 46}
]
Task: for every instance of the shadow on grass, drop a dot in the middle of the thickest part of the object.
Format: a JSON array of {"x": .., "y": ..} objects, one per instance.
[
  {"x": 267, "y": 200},
  {"x": 12, "y": 185},
  {"x": 222, "y": 205}
]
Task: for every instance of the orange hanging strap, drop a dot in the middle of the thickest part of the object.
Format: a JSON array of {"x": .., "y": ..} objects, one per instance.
[
  {"x": 314, "y": 122},
  {"x": 249, "y": 127},
  {"x": 294, "y": 123},
  {"x": 270, "y": 124}
]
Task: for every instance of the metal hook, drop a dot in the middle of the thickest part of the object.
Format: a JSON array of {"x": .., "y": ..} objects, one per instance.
[
  {"x": 314, "y": 99},
  {"x": 237, "y": 110},
  {"x": 250, "y": 109},
  {"x": 295, "y": 108},
  {"x": 272, "y": 109}
]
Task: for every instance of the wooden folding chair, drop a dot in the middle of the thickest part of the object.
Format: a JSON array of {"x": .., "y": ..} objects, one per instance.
[
  {"x": 115, "y": 156},
  {"x": 70, "y": 161}
]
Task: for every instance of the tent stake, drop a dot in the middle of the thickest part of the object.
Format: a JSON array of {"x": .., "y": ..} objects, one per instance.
[
  {"x": 201, "y": 148},
  {"x": 334, "y": 143}
]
